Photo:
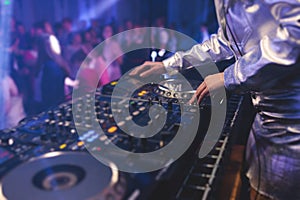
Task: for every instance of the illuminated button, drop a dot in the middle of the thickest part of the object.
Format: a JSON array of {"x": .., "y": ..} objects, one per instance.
[
  {"x": 135, "y": 113},
  {"x": 103, "y": 138},
  {"x": 142, "y": 108},
  {"x": 116, "y": 110},
  {"x": 59, "y": 115},
  {"x": 74, "y": 148},
  {"x": 96, "y": 149},
  {"x": 73, "y": 131},
  {"x": 128, "y": 118},
  {"x": 142, "y": 93},
  {"x": 114, "y": 83},
  {"x": 161, "y": 144},
  {"x": 121, "y": 123},
  {"x": 60, "y": 125},
  {"x": 63, "y": 146},
  {"x": 193, "y": 110},
  {"x": 80, "y": 143},
  {"x": 112, "y": 129}
]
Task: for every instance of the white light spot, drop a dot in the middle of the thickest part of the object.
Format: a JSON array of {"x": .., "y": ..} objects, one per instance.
[{"x": 54, "y": 44}]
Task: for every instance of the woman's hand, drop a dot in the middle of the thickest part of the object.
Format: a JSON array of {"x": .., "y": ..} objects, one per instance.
[
  {"x": 211, "y": 84},
  {"x": 148, "y": 68}
]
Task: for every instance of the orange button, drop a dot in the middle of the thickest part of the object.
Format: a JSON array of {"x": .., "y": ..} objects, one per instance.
[
  {"x": 114, "y": 83},
  {"x": 112, "y": 129},
  {"x": 80, "y": 143},
  {"x": 142, "y": 93}
]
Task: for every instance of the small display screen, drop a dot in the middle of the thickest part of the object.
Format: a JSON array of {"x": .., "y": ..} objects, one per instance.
[{"x": 5, "y": 155}]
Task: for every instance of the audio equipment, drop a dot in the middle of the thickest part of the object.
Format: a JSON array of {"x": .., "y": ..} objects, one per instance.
[{"x": 50, "y": 156}]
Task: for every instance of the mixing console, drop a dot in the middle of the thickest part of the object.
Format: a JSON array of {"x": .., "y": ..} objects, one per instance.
[{"x": 48, "y": 155}]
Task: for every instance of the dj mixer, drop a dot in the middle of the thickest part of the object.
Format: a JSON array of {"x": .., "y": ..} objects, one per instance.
[{"x": 54, "y": 155}]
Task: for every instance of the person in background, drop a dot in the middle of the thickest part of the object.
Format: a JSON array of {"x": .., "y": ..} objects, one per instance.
[
  {"x": 82, "y": 25},
  {"x": 111, "y": 49},
  {"x": 94, "y": 38},
  {"x": 172, "y": 44},
  {"x": 71, "y": 49},
  {"x": 13, "y": 106},
  {"x": 264, "y": 38},
  {"x": 23, "y": 36},
  {"x": 125, "y": 39},
  {"x": 51, "y": 74},
  {"x": 87, "y": 41},
  {"x": 66, "y": 32},
  {"x": 136, "y": 39},
  {"x": 162, "y": 37},
  {"x": 95, "y": 26},
  {"x": 203, "y": 34},
  {"x": 92, "y": 69}
]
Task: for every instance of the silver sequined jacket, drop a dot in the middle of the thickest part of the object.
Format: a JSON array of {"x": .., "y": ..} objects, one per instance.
[{"x": 264, "y": 37}]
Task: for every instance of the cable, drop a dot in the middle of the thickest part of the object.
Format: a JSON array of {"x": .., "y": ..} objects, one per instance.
[
  {"x": 231, "y": 33},
  {"x": 240, "y": 52}
]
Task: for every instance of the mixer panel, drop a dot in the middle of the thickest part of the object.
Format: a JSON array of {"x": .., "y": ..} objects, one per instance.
[{"x": 92, "y": 122}]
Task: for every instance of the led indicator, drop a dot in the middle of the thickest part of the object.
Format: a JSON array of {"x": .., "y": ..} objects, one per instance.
[
  {"x": 114, "y": 83},
  {"x": 112, "y": 129},
  {"x": 63, "y": 146},
  {"x": 81, "y": 143}
]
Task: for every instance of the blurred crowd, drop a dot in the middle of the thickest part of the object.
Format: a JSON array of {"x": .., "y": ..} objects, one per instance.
[{"x": 44, "y": 61}]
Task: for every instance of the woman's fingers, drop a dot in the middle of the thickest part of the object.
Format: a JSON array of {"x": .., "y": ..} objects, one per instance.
[
  {"x": 148, "y": 68},
  {"x": 138, "y": 70},
  {"x": 200, "y": 92},
  {"x": 202, "y": 95},
  {"x": 147, "y": 72},
  {"x": 211, "y": 84}
]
